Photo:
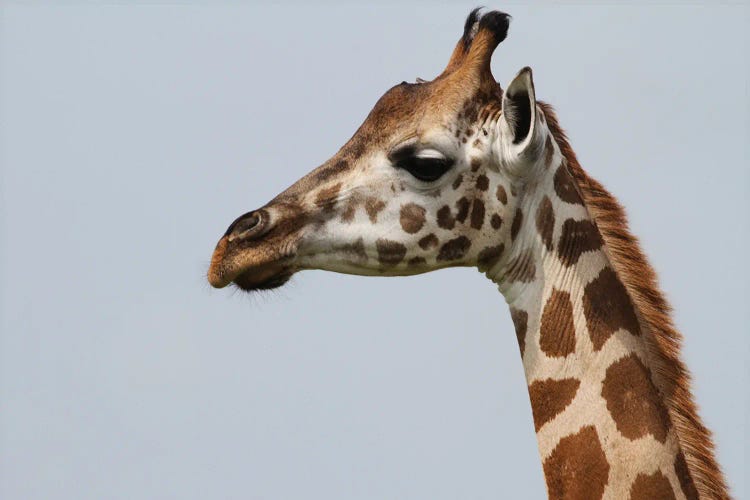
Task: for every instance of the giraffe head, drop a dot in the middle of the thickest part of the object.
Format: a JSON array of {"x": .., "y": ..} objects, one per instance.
[{"x": 428, "y": 181}]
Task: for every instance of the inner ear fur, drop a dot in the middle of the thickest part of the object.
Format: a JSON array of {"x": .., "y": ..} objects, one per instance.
[{"x": 519, "y": 107}]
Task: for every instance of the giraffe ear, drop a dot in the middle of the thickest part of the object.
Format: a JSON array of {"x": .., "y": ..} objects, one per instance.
[{"x": 519, "y": 112}]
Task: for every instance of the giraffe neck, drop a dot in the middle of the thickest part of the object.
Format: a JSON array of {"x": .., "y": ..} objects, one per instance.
[{"x": 603, "y": 427}]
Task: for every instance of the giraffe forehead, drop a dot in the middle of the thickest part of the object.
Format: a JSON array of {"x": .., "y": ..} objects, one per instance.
[{"x": 423, "y": 106}]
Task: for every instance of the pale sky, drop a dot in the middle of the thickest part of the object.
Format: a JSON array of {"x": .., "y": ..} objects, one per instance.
[{"x": 132, "y": 135}]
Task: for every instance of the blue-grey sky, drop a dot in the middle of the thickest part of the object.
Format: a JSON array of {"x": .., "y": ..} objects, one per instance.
[{"x": 131, "y": 135}]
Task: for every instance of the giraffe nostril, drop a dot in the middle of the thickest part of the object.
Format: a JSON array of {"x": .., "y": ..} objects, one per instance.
[{"x": 247, "y": 225}]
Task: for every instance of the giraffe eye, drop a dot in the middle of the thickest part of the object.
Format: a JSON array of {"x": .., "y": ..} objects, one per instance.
[{"x": 427, "y": 166}]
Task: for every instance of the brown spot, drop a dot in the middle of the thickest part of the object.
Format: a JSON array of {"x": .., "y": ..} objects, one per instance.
[
  {"x": 521, "y": 268},
  {"x": 477, "y": 214},
  {"x": 557, "y": 335},
  {"x": 683, "y": 475},
  {"x": 416, "y": 261},
  {"x": 483, "y": 183},
  {"x": 458, "y": 133},
  {"x": 578, "y": 237},
  {"x": 608, "y": 308},
  {"x": 520, "y": 322},
  {"x": 655, "y": 486},
  {"x": 327, "y": 171},
  {"x": 577, "y": 467},
  {"x": 463, "y": 140},
  {"x": 502, "y": 195},
  {"x": 327, "y": 197},
  {"x": 454, "y": 249},
  {"x": 356, "y": 249},
  {"x": 373, "y": 206},
  {"x": 633, "y": 401},
  {"x": 513, "y": 191},
  {"x": 462, "y": 207},
  {"x": 428, "y": 242},
  {"x": 390, "y": 252},
  {"x": 489, "y": 256},
  {"x": 565, "y": 186},
  {"x": 445, "y": 218},
  {"x": 469, "y": 132},
  {"x": 550, "y": 397},
  {"x": 458, "y": 181},
  {"x": 496, "y": 221},
  {"x": 412, "y": 217},
  {"x": 475, "y": 164},
  {"x": 549, "y": 151},
  {"x": 545, "y": 222},
  {"x": 516, "y": 224},
  {"x": 348, "y": 214},
  {"x": 477, "y": 143}
]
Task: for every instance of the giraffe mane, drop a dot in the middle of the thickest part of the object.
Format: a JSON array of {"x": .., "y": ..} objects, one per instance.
[{"x": 663, "y": 340}]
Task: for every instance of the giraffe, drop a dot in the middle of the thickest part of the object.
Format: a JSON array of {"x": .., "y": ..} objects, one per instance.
[{"x": 457, "y": 171}]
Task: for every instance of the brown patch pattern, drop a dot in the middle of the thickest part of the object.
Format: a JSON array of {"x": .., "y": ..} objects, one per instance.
[
  {"x": 477, "y": 214},
  {"x": 651, "y": 487},
  {"x": 550, "y": 397},
  {"x": 373, "y": 207},
  {"x": 390, "y": 252},
  {"x": 516, "y": 224},
  {"x": 356, "y": 249},
  {"x": 521, "y": 268},
  {"x": 545, "y": 222},
  {"x": 347, "y": 215},
  {"x": 454, "y": 249},
  {"x": 458, "y": 181},
  {"x": 483, "y": 183},
  {"x": 327, "y": 171},
  {"x": 428, "y": 242},
  {"x": 633, "y": 401},
  {"x": 489, "y": 256},
  {"x": 565, "y": 187},
  {"x": 416, "y": 261},
  {"x": 607, "y": 308},
  {"x": 577, "y": 468},
  {"x": 412, "y": 217},
  {"x": 445, "y": 218},
  {"x": 462, "y": 209},
  {"x": 520, "y": 321},
  {"x": 502, "y": 195},
  {"x": 557, "y": 335},
  {"x": 578, "y": 237},
  {"x": 496, "y": 221},
  {"x": 327, "y": 197},
  {"x": 640, "y": 280}
]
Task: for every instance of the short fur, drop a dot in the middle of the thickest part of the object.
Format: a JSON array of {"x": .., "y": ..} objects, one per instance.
[{"x": 671, "y": 375}]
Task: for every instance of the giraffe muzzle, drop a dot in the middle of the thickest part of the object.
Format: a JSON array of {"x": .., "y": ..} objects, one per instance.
[{"x": 247, "y": 254}]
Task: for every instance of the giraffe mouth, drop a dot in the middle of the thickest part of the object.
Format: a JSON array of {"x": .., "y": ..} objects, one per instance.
[
  {"x": 251, "y": 280},
  {"x": 248, "y": 270}
]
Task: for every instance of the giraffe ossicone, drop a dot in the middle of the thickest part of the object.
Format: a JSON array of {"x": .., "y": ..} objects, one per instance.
[{"x": 457, "y": 172}]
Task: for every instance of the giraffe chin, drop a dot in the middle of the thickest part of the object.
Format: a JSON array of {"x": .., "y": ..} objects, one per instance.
[{"x": 251, "y": 281}]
